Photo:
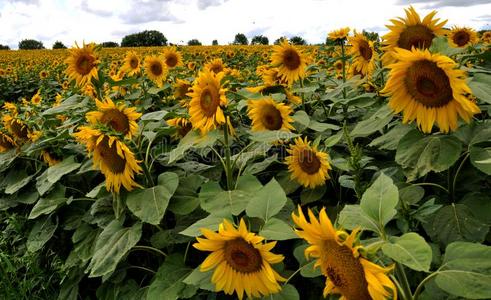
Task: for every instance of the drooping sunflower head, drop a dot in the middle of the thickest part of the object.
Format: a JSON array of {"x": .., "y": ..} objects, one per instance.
[
  {"x": 306, "y": 164},
  {"x": 132, "y": 63},
  {"x": 339, "y": 34},
  {"x": 363, "y": 53},
  {"x": 427, "y": 88},
  {"x": 461, "y": 37},
  {"x": 290, "y": 61},
  {"x": 82, "y": 64},
  {"x": 6, "y": 142},
  {"x": 207, "y": 100},
  {"x": 172, "y": 57},
  {"x": 181, "y": 88},
  {"x": 337, "y": 254},
  {"x": 155, "y": 69},
  {"x": 215, "y": 66},
  {"x": 182, "y": 125},
  {"x": 241, "y": 260},
  {"x": 50, "y": 158},
  {"x": 17, "y": 128},
  {"x": 119, "y": 117},
  {"x": 267, "y": 114},
  {"x": 410, "y": 32}
]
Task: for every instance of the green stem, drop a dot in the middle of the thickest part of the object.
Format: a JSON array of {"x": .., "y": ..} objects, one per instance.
[
  {"x": 139, "y": 247},
  {"x": 117, "y": 205},
  {"x": 142, "y": 268},
  {"x": 432, "y": 184},
  {"x": 228, "y": 163},
  {"x": 457, "y": 173},
  {"x": 402, "y": 278},
  {"x": 421, "y": 285}
]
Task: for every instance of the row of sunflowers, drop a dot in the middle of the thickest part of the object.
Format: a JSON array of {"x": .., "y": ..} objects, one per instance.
[{"x": 357, "y": 170}]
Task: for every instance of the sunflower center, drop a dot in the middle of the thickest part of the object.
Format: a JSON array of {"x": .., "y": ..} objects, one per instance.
[
  {"x": 209, "y": 100},
  {"x": 110, "y": 157},
  {"x": 291, "y": 59},
  {"x": 242, "y": 256},
  {"x": 156, "y": 69},
  {"x": 216, "y": 68},
  {"x": 5, "y": 142},
  {"x": 417, "y": 35},
  {"x": 345, "y": 271},
  {"x": 271, "y": 118},
  {"x": 84, "y": 64},
  {"x": 19, "y": 130},
  {"x": 171, "y": 61},
  {"x": 365, "y": 50},
  {"x": 116, "y": 119},
  {"x": 428, "y": 84},
  {"x": 133, "y": 63},
  {"x": 309, "y": 162},
  {"x": 461, "y": 38}
]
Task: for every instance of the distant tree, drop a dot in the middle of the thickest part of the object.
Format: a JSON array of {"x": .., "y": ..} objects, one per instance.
[
  {"x": 59, "y": 45},
  {"x": 109, "y": 45},
  {"x": 144, "y": 39},
  {"x": 372, "y": 36},
  {"x": 214, "y": 43},
  {"x": 194, "y": 42},
  {"x": 240, "y": 39},
  {"x": 4, "y": 47},
  {"x": 259, "y": 40},
  {"x": 29, "y": 44},
  {"x": 279, "y": 40},
  {"x": 297, "y": 40}
]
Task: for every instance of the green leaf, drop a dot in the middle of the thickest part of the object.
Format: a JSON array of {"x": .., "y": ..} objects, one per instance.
[
  {"x": 288, "y": 292},
  {"x": 306, "y": 267},
  {"x": 390, "y": 140},
  {"x": 269, "y": 136},
  {"x": 149, "y": 205},
  {"x": 440, "y": 45},
  {"x": 64, "y": 167},
  {"x": 168, "y": 280},
  {"x": 49, "y": 203},
  {"x": 311, "y": 195},
  {"x": 411, "y": 250},
  {"x": 278, "y": 230},
  {"x": 112, "y": 244},
  {"x": 72, "y": 102},
  {"x": 352, "y": 216},
  {"x": 419, "y": 154},
  {"x": 267, "y": 202},
  {"x": 480, "y": 87},
  {"x": 15, "y": 180},
  {"x": 211, "y": 222},
  {"x": 41, "y": 232},
  {"x": 380, "y": 200},
  {"x": 302, "y": 120},
  {"x": 200, "y": 279},
  {"x": 481, "y": 158},
  {"x": 466, "y": 271},
  {"x": 374, "y": 123},
  {"x": 411, "y": 194},
  {"x": 185, "y": 198},
  {"x": 154, "y": 116}
]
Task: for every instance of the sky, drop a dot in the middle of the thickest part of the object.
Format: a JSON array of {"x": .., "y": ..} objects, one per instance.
[{"x": 71, "y": 21}]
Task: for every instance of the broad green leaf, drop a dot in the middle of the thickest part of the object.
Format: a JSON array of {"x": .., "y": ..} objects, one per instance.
[
  {"x": 149, "y": 205},
  {"x": 411, "y": 194},
  {"x": 111, "y": 246},
  {"x": 269, "y": 136},
  {"x": 311, "y": 195},
  {"x": 411, "y": 250},
  {"x": 374, "y": 123},
  {"x": 352, "y": 216},
  {"x": 288, "y": 292},
  {"x": 185, "y": 198},
  {"x": 49, "y": 203},
  {"x": 307, "y": 267},
  {"x": 302, "y": 120},
  {"x": 72, "y": 102},
  {"x": 390, "y": 140},
  {"x": 481, "y": 158},
  {"x": 43, "y": 185},
  {"x": 211, "y": 222},
  {"x": 41, "y": 232},
  {"x": 154, "y": 116},
  {"x": 169, "y": 277},
  {"x": 277, "y": 230},
  {"x": 480, "y": 87},
  {"x": 15, "y": 180},
  {"x": 200, "y": 279},
  {"x": 440, "y": 45},
  {"x": 267, "y": 202},
  {"x": 64, "y": 167}
]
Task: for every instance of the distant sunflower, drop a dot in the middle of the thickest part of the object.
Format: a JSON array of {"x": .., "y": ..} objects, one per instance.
[
  {"x": 290, "y": 61},
  {"x": 119, "y": 117},
  {"x": 428, "y": 88},
  {"x": 182, "y": 125},
  {"x": 181, "y": 88},
  {"x": 267, "y": 114},
  {"x": 11, "y": 107},
  {"x": 172, "y": 57},
  {"x": 155, "y": 69},
  {"x": 460, "y": 37},
  {"x": 17, "y": 128},
  {"x": 82, "y": 64},
  {"x": 50, "y": 158},
  {"x": 339, "y": 34},
  {"x": 215, "y": 66},
  {"x": 306, "y": 164},
  {"x": 207, "y": 100},
  {"x": 36, "y": 99},
  {"x": 43, "y": 74},
  {"x": 363, "y": 53},
  {"x": 191, "y": 65},
  {"x": 6, "y": 142},
  {"x": 411, "y": 32},
  {"x": 241, "y": 260},
  {"x": 347, "y": 272},
  {"x": 486, "y": 37},
  {"x": 132, "y": 64}
]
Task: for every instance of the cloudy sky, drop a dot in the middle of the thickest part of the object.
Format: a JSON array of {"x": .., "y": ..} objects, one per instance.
[{"x": 182, "y": 20}]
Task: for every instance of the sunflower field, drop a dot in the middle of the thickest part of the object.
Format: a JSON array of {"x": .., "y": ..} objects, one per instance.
[{"x": 358, "y": 169}]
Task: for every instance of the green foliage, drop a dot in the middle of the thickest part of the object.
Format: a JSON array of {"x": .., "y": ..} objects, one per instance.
[
  {"x": 194, "y": 42},
  {"x": 240, "y": 39},
  {"x": 145, "y": 38},
  {"x": 59, "y": 45},
  {"x": 259, "y": 40},
  {"x": 297, "y": 40},
  {"x": 30, "y": 44},
  {"x": 4, "y": 47},
  {"x": 109, "y": 44},
  {"x": 214, "y": 43}
]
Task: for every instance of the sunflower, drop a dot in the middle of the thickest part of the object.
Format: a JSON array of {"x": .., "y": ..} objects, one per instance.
[
  {"x": 267, "y": 114},
  {"x": 181, "y": 88},
  {"x": 65, "y": 85},
  {"x": 191, "y": 65},
  {"x": 428, "y": 88},
  {"x": 363, "y": 54},
  {"x": 241, "y": 260},
  {"x": 119, "y": 117},
  {"x": 43, "y": 74},
  {"x": 486, "y": 37},
  {"x": 340, "y": 34},
  {"x": 82, "y": 64},
  {"x": 207, "y": 100},
  {"x": 155, "y": 69},
  {"x": 306, "y": 164},
  {"x": 11, "y": 107},
  {"x": 411, "y": 32},
  {"x": 460, "y": 37},
  {"x": 132, "y": 63},
  {"x": 290, "y": 61},
  {"x": 36, "y": 99},
  {"x": 110, "y": 155},
  {"x": 215, "y": 66},
  {"x": 172, "y": 58},
  {"x": 347, "y": 272},
  {"x": 16, "y": 127},
  {"x": 182, "y": 125},
  {"x": 6, "y": 142},
  {"x": 50, "y": 158}
]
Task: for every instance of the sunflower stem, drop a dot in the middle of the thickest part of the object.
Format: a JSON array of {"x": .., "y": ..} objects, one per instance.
[
  {"x": 457, "y": 174},
  {"x": 431, "y": 184},
  {"x": 228, "y": 164},
  {"x": 117, "y": 205},
  {"x": 402, "y": 278},
  {"x": 422, "y": 284},
  {"x": 146, "y": 248}
]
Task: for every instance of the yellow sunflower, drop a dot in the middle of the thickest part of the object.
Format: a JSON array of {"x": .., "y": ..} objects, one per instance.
[
  {"x": 411, "y": 32},
  {"x": 347, "y": 272},
  {"x": 110, "y": 155},
  {"x": 6, "y": 142},
  {"x": 267, "y": 114},
  {"x": 306, "y": 164},
  {"x": 181, "y": 88},
  {"x": 118, "y": 117},
  {"x": 340, "y": 34},
  {"x": 17, "y": 128},
  {"x": 486, "y": 37},
  {"x": 36, "y": 99},
  {"x": 241, "y": 260},
  {"x": 172, "y": 57},
  {"x": 460, "y": 37},
  {"x": 182, "y": 125},
  {"x": 155, "y": 69},
  {"x": 82, "y": 64},
  {"x": 428, "y": 88},
  {"x": 363, "y": 53},
  {"x": 207, "y": 100},
  {"x": 215, "y": 66},
  {"x": 11, "y": 107},
  {"x": 50, "y": 158},
  {"x": 132, "y": 64},
  {"x": 191, "y": 65},
  {"x": 43, "y": 74},
  {"x": 290, "y": 61}
]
